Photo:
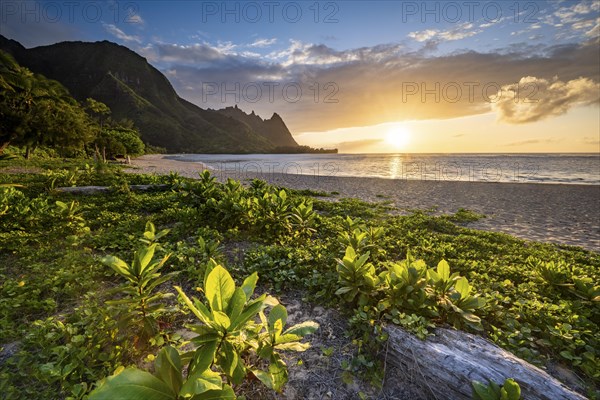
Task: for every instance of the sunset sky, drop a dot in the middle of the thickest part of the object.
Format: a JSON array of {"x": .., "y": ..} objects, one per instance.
[{"x": 501, "y": 76}]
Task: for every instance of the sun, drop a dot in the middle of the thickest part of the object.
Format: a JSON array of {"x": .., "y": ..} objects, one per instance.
[{"x": 398, "y": 137}]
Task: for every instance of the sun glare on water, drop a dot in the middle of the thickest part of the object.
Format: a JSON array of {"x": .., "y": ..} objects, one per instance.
[{"x": 398, "y": 137}]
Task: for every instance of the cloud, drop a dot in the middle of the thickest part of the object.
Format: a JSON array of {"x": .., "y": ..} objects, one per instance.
[
  {"x": 534, "y": 141},
  {"x": 367, "y": 85},
  {"x": 135, "y": 19},
  {"x": 594, "y": 32},
  {"x": 544, "y": 98},
  {"x": 574, "y": 12},
  {"x": 585, "y": 24},
  {"x": 357, "y": 145},
  {"x": 263, "y": 42},
  {"x": 119, "y": 34},
  {"x": 591, "y": 140},
  {"x": 462, "y": 31}
]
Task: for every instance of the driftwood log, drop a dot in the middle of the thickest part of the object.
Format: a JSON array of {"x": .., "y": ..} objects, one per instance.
[
  {"x": 106, "y": 189},
  {"x": 451, "y": 359}
]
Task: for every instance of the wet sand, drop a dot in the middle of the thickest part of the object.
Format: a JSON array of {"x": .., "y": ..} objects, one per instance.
[{"x": 553, "y": 213}]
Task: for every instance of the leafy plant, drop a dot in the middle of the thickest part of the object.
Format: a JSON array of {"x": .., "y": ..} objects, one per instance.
[
  {"x": 140, "y": 303},
  {"x": 553, "y": 273},
  {"x": 228, "y": 333},
  {"x": 167, "y": 382},
  {"x": 357, "y": 277},
  {"x": 228, "y": 338},
  {"x": 356, "y": 239},
  {"x": 510, "y": 390},
  {"x": 452, "y": 294},
  {"x": 150, "y": 235},
  {"x": 302, "y": 219},
  {"x": 406, "y": 287}
]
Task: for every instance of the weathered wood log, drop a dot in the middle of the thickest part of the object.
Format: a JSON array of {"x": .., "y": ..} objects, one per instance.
[
  {"x": 450, "y": 360},
  {"x": 106, "y": 189}
]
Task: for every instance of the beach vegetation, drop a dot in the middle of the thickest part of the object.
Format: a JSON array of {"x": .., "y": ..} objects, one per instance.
[
  {"x": 510, "y": 390},
  {"x": 66, "y": 311}
]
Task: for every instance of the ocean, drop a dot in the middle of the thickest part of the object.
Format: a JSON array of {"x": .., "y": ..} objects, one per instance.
[{"x": 578, "y": 169}]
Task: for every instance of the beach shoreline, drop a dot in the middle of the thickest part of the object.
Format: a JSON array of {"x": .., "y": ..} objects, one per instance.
[{"x": 553, "y": 213}]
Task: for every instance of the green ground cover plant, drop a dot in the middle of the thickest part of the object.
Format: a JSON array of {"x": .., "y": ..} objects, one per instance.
[{"x": 539, "y": 301}]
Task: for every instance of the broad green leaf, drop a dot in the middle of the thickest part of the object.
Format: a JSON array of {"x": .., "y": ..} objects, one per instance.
[
  {"x": 226, "y": 393},
  {"x": 293, "y": 346},
  {"x": 350, "y": 253},
  {"x": 482, "y": 391},
  {"x": 462, "y": 287},
  {"x": 191, "y": 306},
  {"x": 236, "y": 304},
  {"x": 149, "y": 228},
  {"x": 342, "y": 290},
  {"x": 205, "y": 333},
  {"x": 143, "y": 257},
  {"x": 277, "y": 313},
  {"x": 277, "y": 376},
  {"x": 250, "y": 311},
  {"x": 221, "y": 319},
  {"x": 204, "y": 356},
  {"x": 512, "y": 389},
  {"x": 443, "y": 270},
  {"x": 249, "y": 285},
  {"x": 265, "y": 351},
  {"x": 302, "y": 329},
  {"x": 219, "y": 288},
  {"x": 200, "y": 382},
  {"x": 118, "y": 265},
  {"x": 230, "y": 358},
  {"x": 473, "y": 303},
  {"x": 209, "y": 267},
  {"x": 264, "y": 377},
  {"x": 277, "y": 329},
  {"x": 432, "y": 274},
  {"x": 161, "y": 280},
  {"x": 360, "y": 262},
  {"x": 203, "y": 310},
  {"x": 471, "y": 317},
  {"x": 168, "y": 367},
  {"x": 132, "y": 383}
]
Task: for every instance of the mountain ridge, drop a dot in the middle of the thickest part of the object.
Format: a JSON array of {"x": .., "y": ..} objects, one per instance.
[{"x": 132, "y": 88}]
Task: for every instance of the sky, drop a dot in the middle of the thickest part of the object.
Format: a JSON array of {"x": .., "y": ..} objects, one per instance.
[{"x": 364, "y": 76}]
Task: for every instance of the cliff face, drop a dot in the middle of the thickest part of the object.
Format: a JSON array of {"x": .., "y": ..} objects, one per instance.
[
  {"x": 273, "y": 129},
  {"x": 134, "y": 89}
]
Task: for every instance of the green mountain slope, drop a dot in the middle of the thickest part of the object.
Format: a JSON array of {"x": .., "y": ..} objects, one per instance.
[{"x": 134, "y": 89}]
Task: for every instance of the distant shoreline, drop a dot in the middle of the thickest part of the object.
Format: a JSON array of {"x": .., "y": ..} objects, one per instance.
[
  {"x": 496, "y": 168},
  {"x": 553, "y": 213}
]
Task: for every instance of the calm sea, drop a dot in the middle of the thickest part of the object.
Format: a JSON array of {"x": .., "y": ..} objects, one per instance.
[{"x": 580, "y": 169}]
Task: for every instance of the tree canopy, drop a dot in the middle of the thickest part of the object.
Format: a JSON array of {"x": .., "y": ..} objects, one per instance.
[{"x": 36, "y": 111}]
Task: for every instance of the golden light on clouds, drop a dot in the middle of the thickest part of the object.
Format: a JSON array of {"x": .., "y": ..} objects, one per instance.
[{"x": 575, "y": 131}]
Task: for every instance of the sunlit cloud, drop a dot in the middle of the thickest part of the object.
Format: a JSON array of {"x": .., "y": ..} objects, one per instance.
[
  {"x": 534, "y": 141},
  {"x": 547, "y": 98},
  {"x": 377, "y": 84},
  {"x": 462, "y": 31},
  {"x": 119, "y": 34},
  {"x": 263, "y": 42}
]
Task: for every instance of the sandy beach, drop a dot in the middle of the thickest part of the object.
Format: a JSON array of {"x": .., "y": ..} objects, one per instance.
[{"x": 553, "y": 213}]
